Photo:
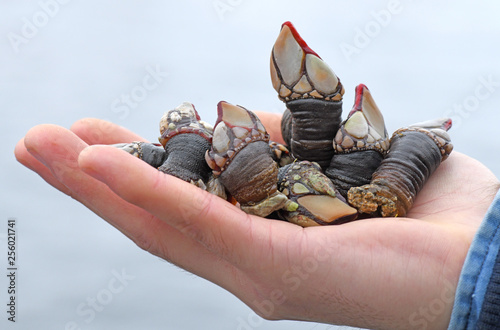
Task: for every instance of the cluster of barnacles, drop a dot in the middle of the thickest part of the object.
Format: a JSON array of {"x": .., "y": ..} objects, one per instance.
[{"x": 329, "y": 171}]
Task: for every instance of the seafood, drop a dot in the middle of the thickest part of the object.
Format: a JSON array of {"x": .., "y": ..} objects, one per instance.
[
  {"x": 328, "y": 172},
  {"x": 313, "y": 96},
  {"x": 280, "y": 154},
  {"x": 152, "y": 153},
  {"x": 184, "y": 137},
  {"x": 415, "y": 153},
  {"x": 184, "y": 140},
  {"x": 360, "y": 144},
  {"x": 318, "y": 201},
  {"x": 241, "y": 158}
]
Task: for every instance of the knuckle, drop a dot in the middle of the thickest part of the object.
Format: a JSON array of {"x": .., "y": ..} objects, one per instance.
[
  {"x": 198, "y": 207},
  {"x": 145, "y": 240}
]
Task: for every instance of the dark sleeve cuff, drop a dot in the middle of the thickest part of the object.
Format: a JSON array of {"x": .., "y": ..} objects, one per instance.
[
  {"x": 477, "y": 304},
  {"x": 489, "y": 318}
]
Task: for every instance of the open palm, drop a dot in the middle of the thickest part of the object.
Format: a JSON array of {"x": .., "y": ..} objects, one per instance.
[{"x": 378, "y": 273}]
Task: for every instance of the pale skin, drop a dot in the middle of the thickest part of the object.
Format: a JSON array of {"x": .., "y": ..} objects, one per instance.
[{"x": 392, "y": 273}]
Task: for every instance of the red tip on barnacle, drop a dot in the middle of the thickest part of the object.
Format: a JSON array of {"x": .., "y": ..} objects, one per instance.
[
  {"x": 358, "y": 101},
  {"x": 196, "y": 113},
  {"x": 299, "y": 39},
  {"x": 447, "y": 124}
]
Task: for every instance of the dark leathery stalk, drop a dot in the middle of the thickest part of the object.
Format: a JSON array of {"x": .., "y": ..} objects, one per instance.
[
  {"x": 413, "y": 157},
  {"x": 186, "y": 157},
  {"x": 314, "y": 124},
  {"x": 353, "y": 169}
]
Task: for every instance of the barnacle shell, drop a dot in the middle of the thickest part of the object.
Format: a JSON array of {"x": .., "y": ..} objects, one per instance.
[
  {"x": 280, "y": 154},
  {"x": 183, "y": 119},
  {"x": 297, "y": 72},
  {"x": 364, "y": 128},
  {"x": 240, "y": 156},
  {"x": 360, "y": 144},
  {"x": 318, "y": 202},
  {"x": 313, "y": 95}
]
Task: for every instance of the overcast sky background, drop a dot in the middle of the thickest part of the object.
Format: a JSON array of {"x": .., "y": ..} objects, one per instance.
[{"x": 61, "y": 61}]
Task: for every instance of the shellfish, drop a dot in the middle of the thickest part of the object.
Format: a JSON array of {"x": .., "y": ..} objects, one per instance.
[
  {"x": 184, "y": 140},
  {"x": 360, "y": 144},
  {"x": 241, "y": 158},
  {"x": 318, "y": 201},
  {"x": 329, "y": 172},
  {"x": 313, "y": 96},
  {"x": 415, "y": 153}
]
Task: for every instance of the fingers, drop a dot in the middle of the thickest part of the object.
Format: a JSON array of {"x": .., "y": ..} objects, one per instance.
[
  {"x": 272, "y": 123},
  {"x": 90, "y": 130},
  {"x": 56, "y": 150},
  {"x": 98, "y": 131},
  {"x": 218, "y": 225},
  {"x": 25, "y": 158}
]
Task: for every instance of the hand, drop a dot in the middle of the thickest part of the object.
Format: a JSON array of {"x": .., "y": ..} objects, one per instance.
[{"x": 392, "y": 273}]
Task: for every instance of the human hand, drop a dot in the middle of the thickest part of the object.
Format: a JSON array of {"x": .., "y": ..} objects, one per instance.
[{"x": 376, "y": 273}]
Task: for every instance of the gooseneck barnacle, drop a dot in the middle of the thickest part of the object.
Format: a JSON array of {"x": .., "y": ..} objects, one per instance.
[
  {"x": 318, "y": 201},
  {"x": 240, "y": 156},
  {"x": 328, "y": 172},
  {"x": 360, "y": 144},
  {"x": 415, "y": 153},
  {"x": 312, "y": 93}
]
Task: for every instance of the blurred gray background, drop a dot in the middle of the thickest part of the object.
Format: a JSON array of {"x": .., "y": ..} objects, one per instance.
[{"x": 64, "y": 60}]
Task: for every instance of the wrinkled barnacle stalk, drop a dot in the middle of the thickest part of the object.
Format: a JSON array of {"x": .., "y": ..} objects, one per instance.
[
  {"x": 184, "y": 139},
  {"x": 286, "y": 126},
  {"x": 312, "y": 93},
  {"x": 240, "y": 157},
  {"x": 360, "y": 144},
  {"x": 415, "y": 153},
  {"x": 318, "y": 202}
]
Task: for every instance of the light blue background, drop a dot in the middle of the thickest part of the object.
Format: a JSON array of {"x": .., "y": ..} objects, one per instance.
[{"x": 420, "y": 63}]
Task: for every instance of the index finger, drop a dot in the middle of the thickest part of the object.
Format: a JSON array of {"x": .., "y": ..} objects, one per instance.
[{"x": 225, "y": 230}]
